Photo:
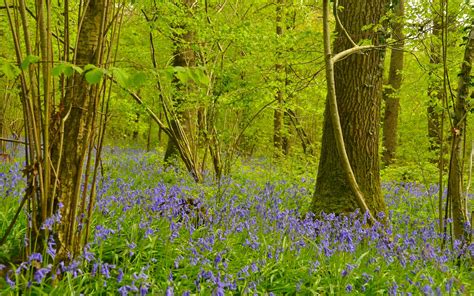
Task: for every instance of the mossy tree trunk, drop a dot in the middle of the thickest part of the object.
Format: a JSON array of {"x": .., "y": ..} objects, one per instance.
[
  {"x": 184, "y": 56},
  {"x": 435, "y": 92},
  {"x": 455, "y": 179},
  {"x": 358, "y": 88},
  {"x": 278, "y": 140},
  {"x": 78, "y": 107},
  {"x": 390, "y": 94}
]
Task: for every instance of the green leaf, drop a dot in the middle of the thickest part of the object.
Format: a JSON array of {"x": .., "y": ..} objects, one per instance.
[
  {"x": 182, "y": 74},
  {"x": 200, "y": 77},
  {"x": 30, "y": 59},
  {"x": 10, "y": 70},
  {"x": 77, "y": 69},
  {"x": 68, "y": 71},
  {"x": 93, "y": 76},
  {"x": 89, "y": 67},
  {"x": 58, "y": 70},
  {"x": 63, "y": 68},
  {"x": 120, "y": 75},
  {"x": 136, "y": 80}
]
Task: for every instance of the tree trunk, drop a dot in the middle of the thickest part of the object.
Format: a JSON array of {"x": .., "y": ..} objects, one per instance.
[
  {"x": 183, "y": 57},
  {"x": 390, "y": 94},
  {"x": 358, "y": 88},
  {"x": 79, "y": 101},
  {"x": 435, "y": 93},
  {"x": 305, "y": 141},
  {"x": 279, "y": 69},
  {"x": 455, "y": 179}
]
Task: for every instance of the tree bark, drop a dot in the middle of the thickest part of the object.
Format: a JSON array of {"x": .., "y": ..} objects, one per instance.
[
  {"x": 435, "y": 92},
  {"x": 390, "y": 94},
  {"x": 279, "y": 69},
  {"x": 455, "y": 179},
  {"x": 358, "y": 88},
  {"x": 79, "y": 102},
  {"x": 183, "y": 57}
]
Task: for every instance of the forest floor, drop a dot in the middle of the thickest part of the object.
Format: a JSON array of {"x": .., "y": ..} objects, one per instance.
[{"x": 249, "y": 234}]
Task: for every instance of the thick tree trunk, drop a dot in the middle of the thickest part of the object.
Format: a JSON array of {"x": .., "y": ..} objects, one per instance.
[
  {"x": 358, "y": 82},
  {"x": 390, "y": 94},
  {"x": 455, "y": 180}
]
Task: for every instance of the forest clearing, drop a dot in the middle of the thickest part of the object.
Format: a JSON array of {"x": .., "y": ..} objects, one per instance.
[{"x": 236, "y": 147}]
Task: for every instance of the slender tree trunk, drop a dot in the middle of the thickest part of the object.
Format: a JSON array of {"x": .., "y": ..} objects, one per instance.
[
  {"x": 435, "y": 92},
  {"x": 455, "y": 179},
  {"x": 279, "y": 69},
  {"x": 358, "y": 88},
  {"x": 305, "y": 141},
  {"x": 390, "y": 94}
]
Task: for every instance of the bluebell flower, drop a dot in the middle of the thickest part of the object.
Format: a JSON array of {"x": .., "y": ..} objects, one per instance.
[
  {"x": 87, "y": 254},
  {"x": 349, "y": 288},
  {"x": 427, "y": 290},
  {"x": 51, "y": 249},
  {"x": 149, "y": 232},
  {"x": 219, "y": 291},
  {"x": 23, "y": 265},
  {"x": 392, "y": 291},
  {"x": 169, "y": 291},
  {"x": 48, "y": 223},
  {"x": 9, "y": 281},
  {"x": 41, "y": 273},
  {"x": 254, "y": 267},
  {"x": 95, "y": 266},
  {"x": 449, "y": 285},
  {"x": 105, "y": 269},
  {"x": 35, "y": 257},
  {"x": 143, "y": 289},
  {"x": 120, "y": 275},
  {"x": 123, "y": 291}
]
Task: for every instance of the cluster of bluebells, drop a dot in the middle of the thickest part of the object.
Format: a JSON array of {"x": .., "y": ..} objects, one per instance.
[
  {"x": 11, "y": 181},
  {"x": 181, "y": 239}
]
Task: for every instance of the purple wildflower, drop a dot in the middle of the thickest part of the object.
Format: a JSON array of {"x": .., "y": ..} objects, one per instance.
[
  {"x": 349, "y": 288},
  {"x": 427, "y": 290},
  {"x": 143, "y": 289},
  {"x": 23, "y": 265},
  {"x": 41, "y": 273},
  {"x": 48, "y": 223},
  {"x": 9, "y": 281},
  {"x": 392, "y": 291},
  {"x": 120, "y": 275},
  {"x": 35, "y": 257},
  {"x": 95, "y": 266},
  {"x": 124, "y": 290},
  {"x": 51, "y": 249},
  {"x": 89, "y": 256},
  {"x": 105, "y": 270},
  {"x": 219, "y": 291},
  {"x": 169, "y": 291},
  {"x": 254, "y": 267},
  {"x": 449, "y": 285}
]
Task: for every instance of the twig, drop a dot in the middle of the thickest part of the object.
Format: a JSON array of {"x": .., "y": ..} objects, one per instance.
[{"x": 13, "y": 141}]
